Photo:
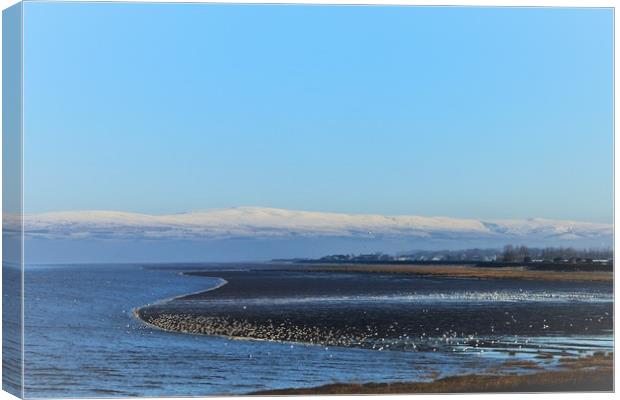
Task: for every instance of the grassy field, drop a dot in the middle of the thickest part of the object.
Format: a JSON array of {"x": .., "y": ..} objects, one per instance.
[
  {"x": 594, "y": 373},
  {"x": 469, "y": 271}
]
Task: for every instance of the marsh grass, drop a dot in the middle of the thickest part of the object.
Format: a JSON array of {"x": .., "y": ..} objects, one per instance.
[{"x": 468, "y": 271}]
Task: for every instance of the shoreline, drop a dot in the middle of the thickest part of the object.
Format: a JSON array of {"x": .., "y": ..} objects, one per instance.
[
  {"x": 357, "y": 310},
  {"x": 135, "y": 312},
  {"x": 222, "y": 313},
  {"x": 587, "y": 374},
  {"x": 592, "y": 373}
]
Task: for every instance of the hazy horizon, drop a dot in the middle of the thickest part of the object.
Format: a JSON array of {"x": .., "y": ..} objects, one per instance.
[{"x": 260, "y": 234}]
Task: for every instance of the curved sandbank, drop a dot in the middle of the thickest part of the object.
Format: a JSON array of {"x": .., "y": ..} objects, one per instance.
[{"x": 386, "y": 311}]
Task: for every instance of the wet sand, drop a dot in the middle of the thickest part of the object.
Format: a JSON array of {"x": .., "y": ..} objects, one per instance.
[
  {"x": 384, "y": 311},
  {"x": 411, "y": 312},
  {"x": 590, "y": 374}
]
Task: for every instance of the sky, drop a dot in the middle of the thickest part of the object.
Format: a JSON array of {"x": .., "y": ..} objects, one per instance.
[{"x": 461, "y": 112}]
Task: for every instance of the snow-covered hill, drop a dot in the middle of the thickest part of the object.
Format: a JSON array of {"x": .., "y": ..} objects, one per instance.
[{"x": 255, "y": 222}]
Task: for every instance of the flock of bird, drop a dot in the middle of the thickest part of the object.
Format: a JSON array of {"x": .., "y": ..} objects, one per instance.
[{"x": 363, "y": 336}]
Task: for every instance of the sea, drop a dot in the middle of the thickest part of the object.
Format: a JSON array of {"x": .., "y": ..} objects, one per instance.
[{"x": 82, "y": 339}]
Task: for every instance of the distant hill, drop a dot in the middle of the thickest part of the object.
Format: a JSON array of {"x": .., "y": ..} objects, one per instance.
[{"x": 265, "y": 233}]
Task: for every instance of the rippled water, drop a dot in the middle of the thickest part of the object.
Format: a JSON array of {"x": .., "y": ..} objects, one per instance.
[{"x": 82, "y": 340}]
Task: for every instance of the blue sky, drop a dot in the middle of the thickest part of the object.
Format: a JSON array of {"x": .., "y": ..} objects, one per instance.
[{"x": 463, "y": 112}]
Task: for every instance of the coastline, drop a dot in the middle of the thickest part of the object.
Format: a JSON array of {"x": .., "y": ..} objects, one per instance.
[
  {"x": 224, "y": 315},
  {"x": 325, "y": 307},
  {"x": 586, "y": 374},
  {"x": 136, "y": 310}
]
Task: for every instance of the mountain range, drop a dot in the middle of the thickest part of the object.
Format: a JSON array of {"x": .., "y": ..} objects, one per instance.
[{"x": 262, "y": 233}]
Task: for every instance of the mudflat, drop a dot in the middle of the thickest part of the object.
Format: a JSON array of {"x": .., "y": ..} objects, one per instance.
[
  {"x": 386, "y": 311},
  {"x": 541, "y": 321}
]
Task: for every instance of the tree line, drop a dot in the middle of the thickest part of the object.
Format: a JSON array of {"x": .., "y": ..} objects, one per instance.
[{"x": 522, "y": 253}]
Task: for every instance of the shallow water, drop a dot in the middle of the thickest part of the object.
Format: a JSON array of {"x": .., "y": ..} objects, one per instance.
[{"x": 82, "y": 340}]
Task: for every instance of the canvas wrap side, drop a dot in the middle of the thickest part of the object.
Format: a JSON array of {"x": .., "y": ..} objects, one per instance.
[{"x": 12, "y": 210}]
